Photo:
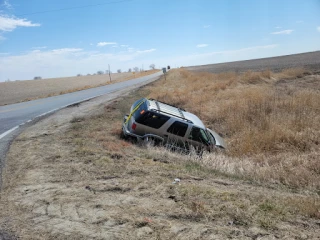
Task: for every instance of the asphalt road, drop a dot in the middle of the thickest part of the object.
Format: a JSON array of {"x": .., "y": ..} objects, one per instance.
[
  {"x": 310, "y": 61},
  {"x": 13, "y": 115}
]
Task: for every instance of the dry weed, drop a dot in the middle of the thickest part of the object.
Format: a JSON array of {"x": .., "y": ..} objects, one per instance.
[{"x": 262, "y": 124}]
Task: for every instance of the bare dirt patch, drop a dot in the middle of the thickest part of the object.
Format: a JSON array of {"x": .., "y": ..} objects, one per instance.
[
  {"x": 71, "y": 177},
  {"x": 19, "y": 91}
]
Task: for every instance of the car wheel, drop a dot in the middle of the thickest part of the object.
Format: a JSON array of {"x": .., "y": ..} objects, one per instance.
[
  {"x": 149, "y": 141},
  {"x": 122, "y": 135}
]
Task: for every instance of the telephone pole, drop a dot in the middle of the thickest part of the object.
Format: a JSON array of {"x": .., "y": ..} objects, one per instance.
[{"x": 109, "y": 72}]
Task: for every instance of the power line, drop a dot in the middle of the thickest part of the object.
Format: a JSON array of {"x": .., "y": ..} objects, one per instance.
[{"x": 65, "y": 9}]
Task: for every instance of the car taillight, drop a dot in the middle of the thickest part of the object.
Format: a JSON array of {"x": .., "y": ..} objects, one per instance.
[{"x": 134, "y": 125}]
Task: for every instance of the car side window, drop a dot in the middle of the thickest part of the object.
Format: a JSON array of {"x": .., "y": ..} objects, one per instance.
[
  {"x": 199, "y": 135},
  {"x": 153, "y": 120},
  {"x": 178, "y": 128}
]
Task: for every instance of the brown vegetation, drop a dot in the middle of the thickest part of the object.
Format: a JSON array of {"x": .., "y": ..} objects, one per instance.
[
  {"x": 272, "y": 132},
  {"x": 77, "y": 179}
]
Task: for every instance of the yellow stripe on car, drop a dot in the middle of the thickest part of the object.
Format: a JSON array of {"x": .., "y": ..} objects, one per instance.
[{"x": 135, "y": 109}]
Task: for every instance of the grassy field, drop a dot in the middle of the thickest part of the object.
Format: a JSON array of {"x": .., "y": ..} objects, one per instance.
[
  {"x": 271, "y": 121},
  {"x": 78, "y": 180},
  {"x": 20, "y": 91}
]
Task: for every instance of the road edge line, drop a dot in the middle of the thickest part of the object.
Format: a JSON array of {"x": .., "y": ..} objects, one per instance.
[{"x": 44, "y": 114}]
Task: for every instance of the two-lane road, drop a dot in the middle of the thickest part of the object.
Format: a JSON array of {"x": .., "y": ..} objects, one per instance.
[{"x": 11, "y": 116}]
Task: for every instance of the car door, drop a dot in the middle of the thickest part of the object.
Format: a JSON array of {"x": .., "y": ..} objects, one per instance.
[
  {"x": 198, "y": 138},
  {"x": 175, "y": 135}
]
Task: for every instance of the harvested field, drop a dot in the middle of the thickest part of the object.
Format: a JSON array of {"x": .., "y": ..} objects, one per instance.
[
  {"x": 20, "y": 91},
  {"x": 310, "y": 61},
  {"x": 78, "y": 180}
]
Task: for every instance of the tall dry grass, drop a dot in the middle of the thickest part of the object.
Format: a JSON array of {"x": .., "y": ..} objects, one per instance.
[{"x": 274, "y": 130}]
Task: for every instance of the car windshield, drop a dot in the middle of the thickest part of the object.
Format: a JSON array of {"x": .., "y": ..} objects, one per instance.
[{"x": 211, "y": 138}]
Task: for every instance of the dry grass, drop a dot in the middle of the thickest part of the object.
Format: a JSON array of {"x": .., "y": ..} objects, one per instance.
[
  {"x": 21, "y": 91},
  {"x": 79, "y": 180},
  {"x": 272, "y": 134}
]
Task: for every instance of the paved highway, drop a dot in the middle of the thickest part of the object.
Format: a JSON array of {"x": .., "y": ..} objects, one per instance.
[{"x": 11, "y": 116}]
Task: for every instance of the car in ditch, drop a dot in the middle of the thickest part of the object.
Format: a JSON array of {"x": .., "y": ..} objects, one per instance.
[{"x": 161, "y": 123}]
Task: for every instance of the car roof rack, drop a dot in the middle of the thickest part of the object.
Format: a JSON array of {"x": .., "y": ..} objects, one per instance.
[
  {"x": 168, "y": 109},
  {"x": 152, "y": 99}
]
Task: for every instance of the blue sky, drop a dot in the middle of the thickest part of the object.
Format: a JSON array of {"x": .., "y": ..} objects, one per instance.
[{"x": 65, "y": 38}]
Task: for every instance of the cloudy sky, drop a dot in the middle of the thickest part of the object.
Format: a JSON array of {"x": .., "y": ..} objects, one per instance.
[{"x": 66, "y": 38}]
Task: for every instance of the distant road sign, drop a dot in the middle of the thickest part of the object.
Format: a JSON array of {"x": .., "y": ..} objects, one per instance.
[{"x": 164, "y": 70}]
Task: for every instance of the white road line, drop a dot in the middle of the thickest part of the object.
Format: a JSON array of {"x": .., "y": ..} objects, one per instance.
[
  {"x": 7, "y": 132},
  {"x": 46, "y": 113}
]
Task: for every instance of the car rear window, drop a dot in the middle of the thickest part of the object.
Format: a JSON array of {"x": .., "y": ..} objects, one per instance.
[
  {"x": 178, "y": 128},
  {"x": 141, "y": 110},
  {"x": 153, "y": 120}
]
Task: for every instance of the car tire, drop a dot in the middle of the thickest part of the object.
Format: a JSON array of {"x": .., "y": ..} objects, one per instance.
[{"x": 122, "y": 135}]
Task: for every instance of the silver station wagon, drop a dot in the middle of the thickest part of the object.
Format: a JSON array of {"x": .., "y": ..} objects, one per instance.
[{"x": 160, "y": 123}]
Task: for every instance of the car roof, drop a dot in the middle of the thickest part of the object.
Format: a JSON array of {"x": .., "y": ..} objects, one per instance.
[{"x": 175, "y": 111}]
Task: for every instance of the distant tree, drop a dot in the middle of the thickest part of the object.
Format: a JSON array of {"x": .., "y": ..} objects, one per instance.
[
  {"x": 100, "y": 72},
  {"x": 88, "y": 74},
  {"x": 79, "y": 75},
  {"x": 136, "y": 69},
  {"x": 152, "y": 66},
  {"x": 8, "y": 80},
  {"x": 119, "y": 71},
  {"x": 130, "y": 70},
  {"x": 107, "y": 71},
  {"x": 37, "y": 78}
]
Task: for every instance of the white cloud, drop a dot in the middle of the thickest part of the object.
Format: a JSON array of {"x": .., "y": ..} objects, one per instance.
[
  {"x": 8, "y": 24},
  {"x": 101, "y": 44},
  {"x": 278, "y": 27},
  {"x": 242, "y": 50},
  {"x": 202, "y": 45},
  {"x": 67, "y": 62},
  {"x": 65, "y": 50},
  {"x": 283, "y": 32},
  {"x": 147, "y": 51},
  {"x": 206, "y": 26},
  {"x": 42, "y": 47},
  {"x": 7, "y": 4},
  {"x": 220, "y": 56},
  {"x": 124, "y": 45},
  {"x": 318, "y": 28}
]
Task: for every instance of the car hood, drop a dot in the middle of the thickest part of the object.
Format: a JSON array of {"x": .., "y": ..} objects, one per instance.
[{"x": 219, "y": 140}]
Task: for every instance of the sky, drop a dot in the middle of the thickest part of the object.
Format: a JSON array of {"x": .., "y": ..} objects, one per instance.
[{"x": 64, "y": 38}]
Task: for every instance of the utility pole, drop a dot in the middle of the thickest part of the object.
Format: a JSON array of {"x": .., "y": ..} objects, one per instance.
[{"x": 109, "y": 72}]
